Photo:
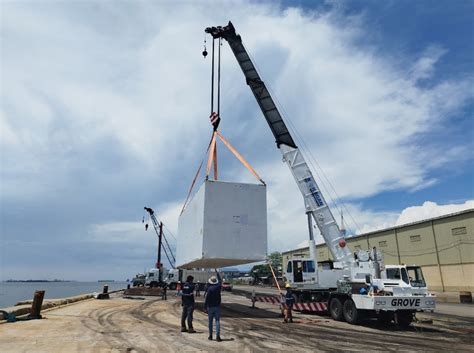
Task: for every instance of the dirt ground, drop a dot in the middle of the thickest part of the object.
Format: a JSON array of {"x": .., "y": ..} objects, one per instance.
[{"x": 153, "y": 325}]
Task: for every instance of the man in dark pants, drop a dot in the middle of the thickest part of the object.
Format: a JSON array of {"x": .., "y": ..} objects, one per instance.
[
  {"x": 163, "y": 291},
  {"x": 187, "y": 302},
  {"x": 212, "y": 305}
]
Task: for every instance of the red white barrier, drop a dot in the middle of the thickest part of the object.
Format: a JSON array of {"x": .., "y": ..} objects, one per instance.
[
  {"x": 269, "y": 299},
  {"x": 310, "y": 306},
  {"x": 313, "y": 306}
]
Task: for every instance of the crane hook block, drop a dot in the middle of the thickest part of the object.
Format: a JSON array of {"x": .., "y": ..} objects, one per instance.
[
  {"x": 215, "y": 120},
  {"x": 204, "y": 53}
]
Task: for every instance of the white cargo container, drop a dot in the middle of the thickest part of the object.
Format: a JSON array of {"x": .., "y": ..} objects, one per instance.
[{"x": 225, "y": 224}]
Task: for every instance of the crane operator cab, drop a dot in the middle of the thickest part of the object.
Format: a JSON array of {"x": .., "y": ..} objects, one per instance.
[
  {"x": 300, "y": 270},
  {"x": 410, "y": 275}
]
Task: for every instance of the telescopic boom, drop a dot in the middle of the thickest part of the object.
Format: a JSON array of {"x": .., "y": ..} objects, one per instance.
[{"x": 315, "y": 204}]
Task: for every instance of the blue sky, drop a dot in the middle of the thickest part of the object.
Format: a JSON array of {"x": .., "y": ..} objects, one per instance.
[{"x": 105, "y": 110}]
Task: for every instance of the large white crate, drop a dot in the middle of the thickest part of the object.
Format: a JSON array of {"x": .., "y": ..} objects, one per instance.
[{"x": 225, "y": 224}]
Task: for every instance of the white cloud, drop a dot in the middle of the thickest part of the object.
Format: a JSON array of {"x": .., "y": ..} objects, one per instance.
[
  {"x": 119, "y": 232},
  {"x": 430, "y": 210},
  {"x": 425, "y": 65},
  {"x": 150, "y": 92},
  {"x": 81, "y": 83}
]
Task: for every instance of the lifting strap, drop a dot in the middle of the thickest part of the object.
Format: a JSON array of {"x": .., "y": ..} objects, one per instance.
[
  {"x": 211, "y": 155},
  {"x": 196, "y": 176},
  {"x": 239, "y": 157},
  {"x": 215, "y": 162}
]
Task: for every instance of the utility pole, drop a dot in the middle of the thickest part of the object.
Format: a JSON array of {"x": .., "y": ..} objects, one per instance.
[{"x": 158, "y": 263}]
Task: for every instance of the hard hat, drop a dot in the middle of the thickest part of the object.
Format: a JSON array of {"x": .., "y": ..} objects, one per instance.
[
  {"x": 287, "y": 285},
  {"x": 213, "y": 280}
]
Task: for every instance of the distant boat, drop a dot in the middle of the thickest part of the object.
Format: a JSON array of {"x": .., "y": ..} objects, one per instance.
[{"x": 105, "y": 280}]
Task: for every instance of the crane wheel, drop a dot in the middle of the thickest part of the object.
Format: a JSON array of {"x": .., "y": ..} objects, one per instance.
[
  {"x": 404, "y": 318},
  {"x": 351, "y": 314},
  {"x": 335, "y": 309},
  {"x": 384, "y": 318}
]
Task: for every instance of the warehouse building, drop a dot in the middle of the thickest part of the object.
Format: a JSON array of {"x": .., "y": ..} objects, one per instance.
[{"x": 442, "y": 246}]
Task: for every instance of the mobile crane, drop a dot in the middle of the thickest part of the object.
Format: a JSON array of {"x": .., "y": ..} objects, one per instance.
[
  {"x": 159, "y": 277},
  {"x": 359, "y": 285},
  {"x": 154, "y": 278}
]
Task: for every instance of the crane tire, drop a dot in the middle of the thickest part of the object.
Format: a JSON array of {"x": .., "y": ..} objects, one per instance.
[
  {"x": 351, "y": 314},
  {"x": 404, "y": 318},
  {"x": 335, "y": 309}
]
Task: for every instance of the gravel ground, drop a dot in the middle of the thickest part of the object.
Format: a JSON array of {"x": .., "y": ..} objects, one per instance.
[{"x": 152, "y": 325}]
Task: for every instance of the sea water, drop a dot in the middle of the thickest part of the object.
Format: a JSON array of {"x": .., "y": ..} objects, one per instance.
[{"x": 13, "y": 292}]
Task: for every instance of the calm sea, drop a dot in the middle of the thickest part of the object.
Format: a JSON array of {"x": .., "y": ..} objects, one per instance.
[{"x": 13, "y": 292}]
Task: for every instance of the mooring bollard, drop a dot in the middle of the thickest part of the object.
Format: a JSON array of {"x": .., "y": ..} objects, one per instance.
[
  {"x": 105, "y": 293},
  {"x": 37, "y": 304}
]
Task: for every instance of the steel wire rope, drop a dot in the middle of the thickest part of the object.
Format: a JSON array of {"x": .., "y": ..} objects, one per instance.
[
  {"x": 428, "y": 251},
  {"x": 166, "y": 240},
  {"x": 167, "y": 256},
  {"x": 169, "y": 231},
  {"x": 167, "y": 244},
  {"x": 307, "y": 151},
  {"x": 163, "y": 237},
  {"x": 447, "y": 246},
  {"x": 304, "y": 148}
]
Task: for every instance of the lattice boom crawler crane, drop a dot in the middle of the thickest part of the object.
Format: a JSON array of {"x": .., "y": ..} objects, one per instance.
[{"x": 359, "y": 284}]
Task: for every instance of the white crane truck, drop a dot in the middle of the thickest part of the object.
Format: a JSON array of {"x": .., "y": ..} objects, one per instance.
[
  {"x": 359, "y": 285},
  {"x": 200, "y": 277}
]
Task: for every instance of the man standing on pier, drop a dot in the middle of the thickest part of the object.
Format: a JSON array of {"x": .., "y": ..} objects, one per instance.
[
  {"x": 187, "y": 302},
  {"x": 212, "y": 305}
]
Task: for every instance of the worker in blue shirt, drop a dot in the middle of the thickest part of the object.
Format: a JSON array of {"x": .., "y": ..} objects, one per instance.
[
  {"x": 289, "y": 301},
  {"x": 212, "y": 304},
  {"x": 187, "y": 302}
]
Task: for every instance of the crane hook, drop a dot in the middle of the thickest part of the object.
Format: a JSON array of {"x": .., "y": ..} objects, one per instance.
[{"x": 204, "y": 52}]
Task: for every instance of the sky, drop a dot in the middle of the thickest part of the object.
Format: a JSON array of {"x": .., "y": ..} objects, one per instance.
[{"x": 105, "y": 106}]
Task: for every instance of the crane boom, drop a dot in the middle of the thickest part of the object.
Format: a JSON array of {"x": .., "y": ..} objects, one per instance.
[
  {"x": 158, "y": 231},
  {"x": 315, "y": 203}
]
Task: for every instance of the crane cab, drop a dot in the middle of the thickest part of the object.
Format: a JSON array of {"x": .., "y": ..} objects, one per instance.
[
  {"x": 300, "y": 270},
  {"x": 408, "y": 276}
]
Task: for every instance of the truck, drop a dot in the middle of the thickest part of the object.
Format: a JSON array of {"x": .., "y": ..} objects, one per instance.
[
  {"x": 139, "y": 280},
  {"x": 153, "y": 277},
  {"x": 359, "y": 284},
  {"x": 200, "y": 277}
]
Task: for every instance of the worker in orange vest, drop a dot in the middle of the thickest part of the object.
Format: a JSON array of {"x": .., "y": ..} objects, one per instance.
[{"x": 179, "y": 287}]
